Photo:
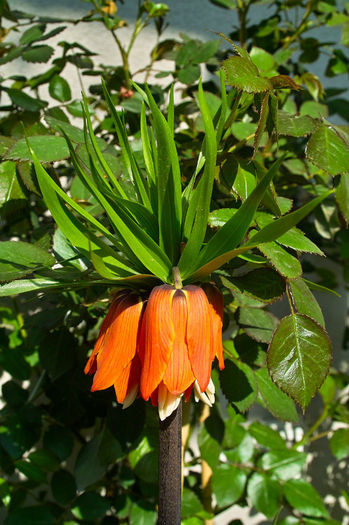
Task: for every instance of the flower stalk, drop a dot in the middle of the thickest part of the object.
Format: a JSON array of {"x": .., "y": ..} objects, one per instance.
[{"x": 170, "y": 468}]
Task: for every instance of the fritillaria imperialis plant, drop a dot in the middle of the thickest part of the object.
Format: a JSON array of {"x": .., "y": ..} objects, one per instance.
[{"x": 164, "y": 325}]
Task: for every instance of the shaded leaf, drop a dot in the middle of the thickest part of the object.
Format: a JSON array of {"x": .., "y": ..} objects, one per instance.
[
  {"x": 19, "y": 258},
  {"x": 263, "y": 284},
  {"x": 328, "y": 150},
  {"x": 304, "y": 300},
  {"x": 274, "y": 399},
  {"x": 37, "y": 54},
  {"x": 239, "y": 384},
  {"x": 295, "y": 126},
  {"x": 258, "y": 324}
]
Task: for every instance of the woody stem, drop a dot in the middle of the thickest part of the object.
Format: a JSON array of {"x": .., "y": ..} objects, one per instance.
[{"x": 170, "y": 462}]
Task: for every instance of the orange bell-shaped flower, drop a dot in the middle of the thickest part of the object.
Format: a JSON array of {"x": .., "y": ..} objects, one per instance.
[
  {"x": 114, "y": 360},
  {"x": 163, "y": 348},
  {"x": 180, "y": 336}
]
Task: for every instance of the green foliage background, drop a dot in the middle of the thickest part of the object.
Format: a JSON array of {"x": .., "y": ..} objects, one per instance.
[{"x": 69, "y": 456}]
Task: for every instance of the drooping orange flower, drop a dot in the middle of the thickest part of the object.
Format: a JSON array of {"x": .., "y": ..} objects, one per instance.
[
  {"x": 114, "y": 360},
  {"x": 181, "y": 335},
  {"x": 163, "y": 348}
]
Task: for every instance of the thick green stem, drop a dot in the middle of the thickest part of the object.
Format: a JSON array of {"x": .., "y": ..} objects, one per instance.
[{"x": 170, "y": 463}]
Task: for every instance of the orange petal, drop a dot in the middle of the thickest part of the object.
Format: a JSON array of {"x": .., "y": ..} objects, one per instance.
[
  {"x": 179, "y": 374},
  {"x": 216, "y": 305},
  {"x": 128, "y": 379},
  {"x": 91, "y": 365},
  {"x": 120, "y": 342},
  {"x": 156, "y": 338},
  {"x": 199, "y": 334}
]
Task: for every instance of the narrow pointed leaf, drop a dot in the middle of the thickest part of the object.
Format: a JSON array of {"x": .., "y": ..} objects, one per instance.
[
  {"x": 299, "y": 357},
  {"x": 127, "y": 154},
  {"x": 229, "y": 236},
  {"x": 149, "y": 161},
  {"x": 98, "y": 152},
  {"x": 133, "y": 235},
  {"x": 270, "y": 232},
  {"x": 203, "y": 192},
  {"x": 79, "y": 235},
  {"x": 169, "y": 184}
]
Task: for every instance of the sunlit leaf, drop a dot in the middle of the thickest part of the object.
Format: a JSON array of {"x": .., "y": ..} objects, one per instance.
[{"x": 299, "y": 357}]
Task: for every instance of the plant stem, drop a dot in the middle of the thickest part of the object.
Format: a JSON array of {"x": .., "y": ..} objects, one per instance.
[{"x": 170, "y": 463}]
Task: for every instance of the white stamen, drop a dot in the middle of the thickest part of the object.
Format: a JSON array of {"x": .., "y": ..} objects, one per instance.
[
  {"x": 130, "y": 397},
  {"x": 167, "y": 402},
  {"x": 206, "y": 397}
]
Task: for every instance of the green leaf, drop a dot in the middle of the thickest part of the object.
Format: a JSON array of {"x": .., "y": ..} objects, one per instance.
[
  {"x": 191, "y": 504},
  {"x": 80, "y": 235},
  {"x": 220, "y": 247},
  {"x": 63, "y": 487},
  {"x": 262, "y": 121},
  {"x": 37, "y": 53},
  {"x": 133, "y": 235},
  {"x": 44, "y": 459},
  {"x": 11, "y": 191},
  {"x": 32, "y": 34},
  {"x": 127, "y": 154},
  {"x": 88, "y": 467},
  {"x": 142, "y": 513},
  {"x": 303, "y": 497},
  {"x": 90, "y": 506},
  {"x": 264, "y": 494},
  {"x": 59, "y": 440},
  {"x": 328, "y": 149},
  {"x": 282, "y": 261},
  {"x": 19, "y": 258},
  {"x": 30, "y": 470},
  {"x": 296, "y": 240},
  {"x": 266, "y": 436},
  {"x": 241, "y": 73},
  {"x": 189, "y": 74},
  {"x": 48, "y": 148},
  {"x": 299, "y": 357},
  {"x": 263, "y": 284},
  {"x": 27, "y": 285},
  {"x": 39, "y": 515},
  {"x": 228, "y": 484},
  {"x": 238, "y": 384},
  {"x": 295, "y": 126},
  {"x": 278, "y": 403},
  {"x": 339, "y": 443},
  {"x": 273, "y": 231},
  {"x": 55, "y": 354},
  {"x": 201, "y": 198},
  {"x": 284, "y": 464},
  {"x": 342, "y": 196},
  {"x": 304, "y": 300},
  {"x": 22, "y": 100},
  {"x": 210, "y": 448},
  {"x": 59, "y": 89},
  {"x": 258, "y": 324},
  {"x": 168, "y": 183}
]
